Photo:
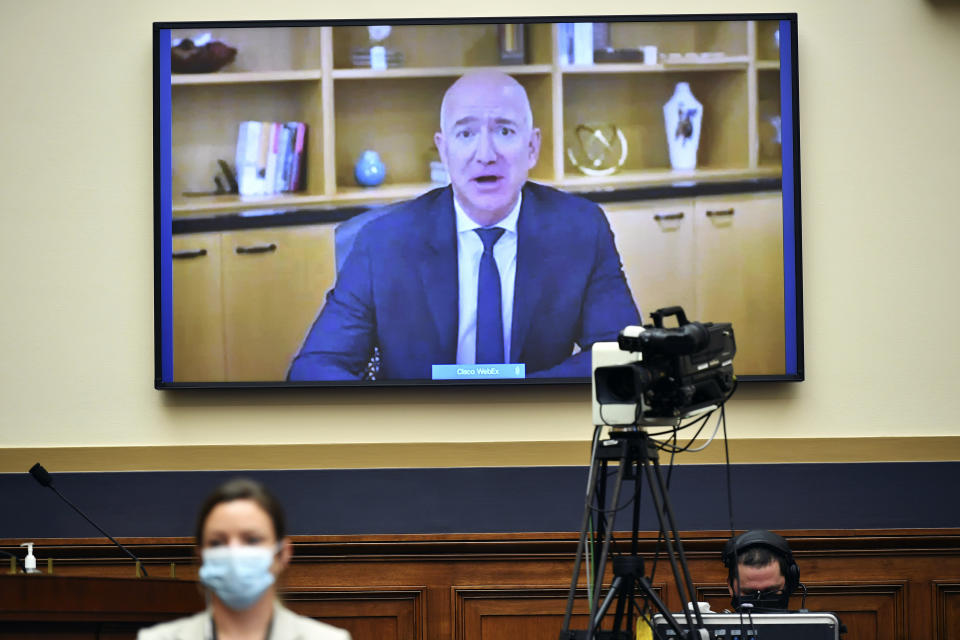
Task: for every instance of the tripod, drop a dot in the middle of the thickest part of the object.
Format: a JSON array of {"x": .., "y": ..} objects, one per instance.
[{"x": 638, "y": 459}]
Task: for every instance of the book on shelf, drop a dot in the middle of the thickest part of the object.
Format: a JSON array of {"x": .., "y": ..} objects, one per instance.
[
  {"x": 248, "y": 140},
  {"x": 263, "y": 150},
  {"x": 583, "y": 43},
  {"x": 299, "y": 157},
  {"x": 270, "y": 157},
  {"x": 576, "y": 41},
  {"x": 270, "y": 173}
]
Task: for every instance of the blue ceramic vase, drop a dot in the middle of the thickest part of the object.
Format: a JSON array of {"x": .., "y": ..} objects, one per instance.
[{"x": 369, "y": 170}]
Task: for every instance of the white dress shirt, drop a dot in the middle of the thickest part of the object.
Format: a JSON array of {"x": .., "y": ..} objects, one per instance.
[{"x": 469, "y": 251}]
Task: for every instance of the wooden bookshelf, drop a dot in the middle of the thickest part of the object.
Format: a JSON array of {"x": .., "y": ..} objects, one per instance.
[
  {"x": 306, "y": 74},
  {"x": 246, "y": 77}
]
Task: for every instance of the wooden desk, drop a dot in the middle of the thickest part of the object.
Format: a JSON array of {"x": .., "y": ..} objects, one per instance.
[{"x": 45, "y": 606}]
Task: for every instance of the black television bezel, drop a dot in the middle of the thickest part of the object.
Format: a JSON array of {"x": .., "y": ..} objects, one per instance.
[{"x": 163, "y": 91}]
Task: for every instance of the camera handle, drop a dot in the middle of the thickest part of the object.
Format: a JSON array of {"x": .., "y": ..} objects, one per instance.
[{"x": 666, "y": 312}]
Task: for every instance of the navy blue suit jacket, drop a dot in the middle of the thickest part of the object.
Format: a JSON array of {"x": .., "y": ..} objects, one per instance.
[{"x": 398, "y": 290}]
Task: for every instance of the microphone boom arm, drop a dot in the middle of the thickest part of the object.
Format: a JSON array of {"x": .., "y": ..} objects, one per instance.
[{"x": 43, "y": 477}]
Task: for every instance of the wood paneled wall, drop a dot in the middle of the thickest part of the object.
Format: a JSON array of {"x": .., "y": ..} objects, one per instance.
[{"x": 883, "y": 584}]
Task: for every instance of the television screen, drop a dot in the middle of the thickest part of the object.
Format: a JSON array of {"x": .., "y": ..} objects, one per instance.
[{"x": 470, "y": 201}]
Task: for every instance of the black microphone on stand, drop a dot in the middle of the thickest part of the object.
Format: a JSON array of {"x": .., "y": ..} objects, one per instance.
[{"x": 43, "y": 476}]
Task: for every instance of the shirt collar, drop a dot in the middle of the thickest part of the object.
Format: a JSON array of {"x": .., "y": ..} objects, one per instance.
[{"x": 465, "y": 223}]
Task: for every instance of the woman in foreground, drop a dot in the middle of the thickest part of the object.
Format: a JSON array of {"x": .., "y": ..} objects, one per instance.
[{"x": 242, "y": 540}]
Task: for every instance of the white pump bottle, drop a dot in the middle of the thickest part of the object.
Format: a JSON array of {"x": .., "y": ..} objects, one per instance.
[{"x": 30, "y": 561}]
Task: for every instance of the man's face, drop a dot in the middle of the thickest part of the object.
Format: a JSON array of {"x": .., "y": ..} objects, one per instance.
[
  {"x": 488, "y": 145},
  {"x": 768, "y": 580}
]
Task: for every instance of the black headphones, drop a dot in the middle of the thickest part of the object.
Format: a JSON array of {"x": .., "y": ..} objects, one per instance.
[{"x": 761, "y": 537}]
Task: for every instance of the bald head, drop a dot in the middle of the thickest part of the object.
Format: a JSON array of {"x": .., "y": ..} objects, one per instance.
[
  {"x": 487, "y": 142},
  {"x": 494, "y": 87}
]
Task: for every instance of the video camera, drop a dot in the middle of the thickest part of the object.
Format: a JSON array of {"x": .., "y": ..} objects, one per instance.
[{"x": 654, "y": 375}]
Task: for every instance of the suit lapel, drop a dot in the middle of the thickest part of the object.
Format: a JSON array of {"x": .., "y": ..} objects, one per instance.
[
  {"x": 531, "y": 248},
  {"x": 284, "y": 624},
  {"x": 437, "y": 266},
  {"x": 198, "y": 627}
]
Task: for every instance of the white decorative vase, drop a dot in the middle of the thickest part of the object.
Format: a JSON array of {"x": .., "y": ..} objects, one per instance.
[{"x": 682, "y": 116}]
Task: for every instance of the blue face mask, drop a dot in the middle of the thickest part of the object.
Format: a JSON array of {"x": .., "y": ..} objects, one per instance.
[{"x": 238, "y": 574}]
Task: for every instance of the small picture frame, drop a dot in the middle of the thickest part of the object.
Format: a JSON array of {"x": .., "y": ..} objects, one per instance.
[{"x": 512, "y": 43}]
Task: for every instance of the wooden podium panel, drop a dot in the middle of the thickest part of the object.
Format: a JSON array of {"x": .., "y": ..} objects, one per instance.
[
  {"x": 883, "y": 584},
  {"x": 62, "y": 607}
]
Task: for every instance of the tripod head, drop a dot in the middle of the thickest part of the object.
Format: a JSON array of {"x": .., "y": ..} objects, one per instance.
[{"x": 628, "y": 567}]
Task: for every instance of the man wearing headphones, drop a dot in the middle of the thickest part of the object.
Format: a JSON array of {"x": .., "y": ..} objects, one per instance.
[{"x": 761, "y": 571}]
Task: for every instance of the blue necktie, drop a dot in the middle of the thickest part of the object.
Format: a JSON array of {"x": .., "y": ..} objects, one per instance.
[{"x": 489, "y": 314}]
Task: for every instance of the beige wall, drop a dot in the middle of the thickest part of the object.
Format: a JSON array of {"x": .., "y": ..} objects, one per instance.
[{"x": 880, "y": 137}]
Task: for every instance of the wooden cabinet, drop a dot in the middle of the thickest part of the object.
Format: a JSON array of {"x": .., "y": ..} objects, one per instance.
[
  {"x": 739, "y": 249},
  {"x": 274, "y": 282},
  {"x": 307, "y": 74},
  {"x": 243, "y": 308},
  {"x": 198, "y": 347},
  {"x": 655, "y": 241},
  {"x": 720, "y": 258}
]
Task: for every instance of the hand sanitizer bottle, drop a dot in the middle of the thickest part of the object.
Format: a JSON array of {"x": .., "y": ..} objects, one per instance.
[{"x": 30, "y": 562}]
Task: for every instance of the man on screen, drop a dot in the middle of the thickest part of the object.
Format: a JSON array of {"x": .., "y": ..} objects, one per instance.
[{"x": 492, "y": 269}]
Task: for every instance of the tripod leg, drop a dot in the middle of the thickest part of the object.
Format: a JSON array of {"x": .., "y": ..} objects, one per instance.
[
  {"x": 600, "y": 523},
  {"x": 608, "y": 535},
  {"x": 616, "y": 589},
  {"x": 634, "y": 542},
  {"x": 668, "y": 510},
  {"x": 647, "y": 590},
  {"x": 671, "y": 537},
  {"x": 627, "y": 591},
  {"x": 624, "y": 601},
  {"x": 594, "y": 477}
]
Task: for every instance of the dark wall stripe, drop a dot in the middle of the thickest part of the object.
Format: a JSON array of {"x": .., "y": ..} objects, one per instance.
[{"x": 488, "y": 500}]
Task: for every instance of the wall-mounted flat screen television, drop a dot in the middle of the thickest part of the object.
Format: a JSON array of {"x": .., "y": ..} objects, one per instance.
[{"x": 470, "y": 201}]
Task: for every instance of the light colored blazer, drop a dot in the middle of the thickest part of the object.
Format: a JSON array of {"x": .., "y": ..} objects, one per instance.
[{"x": 286, "y": 626}]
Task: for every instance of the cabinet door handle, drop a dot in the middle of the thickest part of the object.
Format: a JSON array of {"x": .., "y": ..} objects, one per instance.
[
  {"x": 257, "y": 248},
  {"x": 720, "y": 213},
  {"x": 668, "y": 216},
  {"x": 191, "y": 253}
]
